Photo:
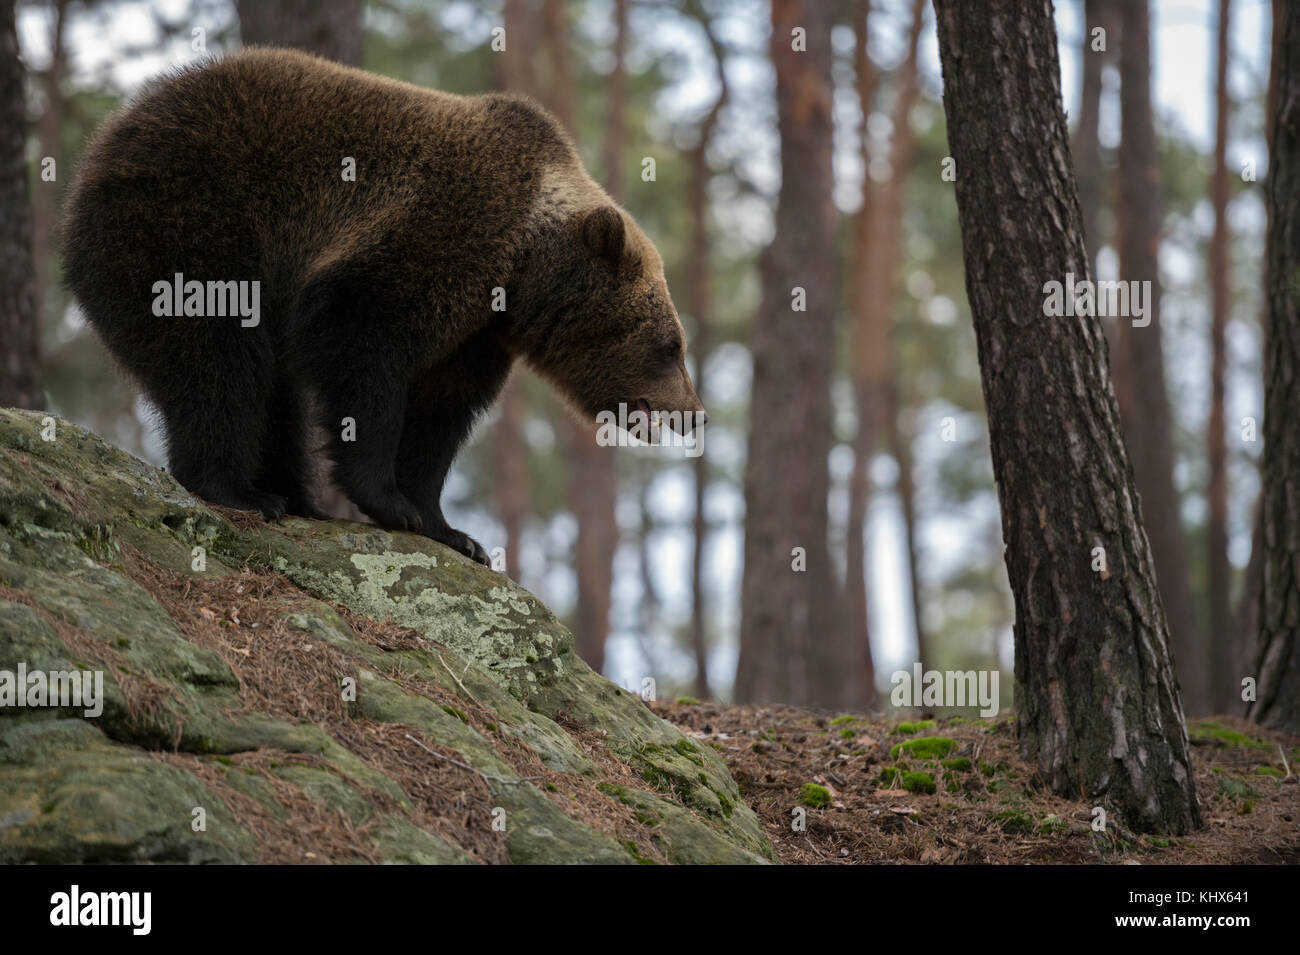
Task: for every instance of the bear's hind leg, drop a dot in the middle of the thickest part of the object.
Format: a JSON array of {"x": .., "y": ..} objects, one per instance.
[
  {"x": 361, "y": 412},
  {"x": 215, "y": 421},
  {"x": 286, "y": 464}
]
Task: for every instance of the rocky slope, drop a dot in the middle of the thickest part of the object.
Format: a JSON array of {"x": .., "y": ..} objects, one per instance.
[{"x": 308, "y": 692}]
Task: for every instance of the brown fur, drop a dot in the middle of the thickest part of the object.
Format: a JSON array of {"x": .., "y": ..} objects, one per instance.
[{"x": 375, "y": 294}]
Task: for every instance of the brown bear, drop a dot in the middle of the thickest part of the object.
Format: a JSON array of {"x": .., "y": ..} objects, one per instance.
[{"x": 270, "y": 233}]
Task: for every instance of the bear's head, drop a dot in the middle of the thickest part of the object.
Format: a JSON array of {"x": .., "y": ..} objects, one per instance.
[{"x": 602, "y": 326}]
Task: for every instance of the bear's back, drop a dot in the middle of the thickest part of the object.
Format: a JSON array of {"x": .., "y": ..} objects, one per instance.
[{"x": 265, "y": 162}]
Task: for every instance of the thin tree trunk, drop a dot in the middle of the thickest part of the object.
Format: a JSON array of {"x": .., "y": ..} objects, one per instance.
[
  {"x": 1086, "y": 147},
  {"x": 591, "y": 484},
  {"x": 878, "y": 240},
  {"x": 699, "y": 293},
  {"x": 512, "y": 485},
  {"x": 20, "y": 367},
  {"x": 1245, "y": 616},
  {"x": 328, "y": 28},
  {"x": 1148, "y": 425},
  {"x": 48, "y": 132},
  {"x": 789, "y": 597},
  {"x": 900, "y": 443},
  {"x": 1222, "y": 690},
  {"x": 1099, "y": 709},
  {"x": 1278, "y": 700},
  {"x": 858, "y": 621}
]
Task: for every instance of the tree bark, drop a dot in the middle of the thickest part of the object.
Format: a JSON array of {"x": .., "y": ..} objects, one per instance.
[
  {"x": 328, "y": 28},
  {"x": 1278, "y": 691},
  {"x": 878, "y": 238},
  {"x": 699, "y": 296},
  {"x": 900, "y": 445},
  {"x": 1099, "y": 709},
  {"x": 789, "y": 592},
  {"x": 855, "y": 538},
  {"x": 20, "y": 355},
  {"x": 1148, "y": 424},
  {"x": 591, "y": 482},
  {"x": 1086, "y": 147},
  {"x": 49, "y": 128},
  {"x": 512, "y": 484},
  {"x": 1245, "y": 615},
  {"x": 1224, "y": 686}
]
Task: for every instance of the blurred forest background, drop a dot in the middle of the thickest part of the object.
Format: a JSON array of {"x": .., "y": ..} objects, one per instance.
[{"x": 860, "y": 430}]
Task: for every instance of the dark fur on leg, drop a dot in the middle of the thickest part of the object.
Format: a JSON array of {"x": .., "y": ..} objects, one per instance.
[{"x": 440, "y": 414}]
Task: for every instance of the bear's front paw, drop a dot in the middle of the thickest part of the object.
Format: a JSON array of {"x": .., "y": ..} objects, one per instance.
[{"x": 461, "y": 542}]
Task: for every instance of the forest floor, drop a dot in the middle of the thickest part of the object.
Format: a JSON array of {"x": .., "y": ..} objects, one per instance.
[{"x": 972, "y": 799}]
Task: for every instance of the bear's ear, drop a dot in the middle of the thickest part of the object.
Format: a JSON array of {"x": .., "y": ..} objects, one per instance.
[{"x": 604, "y": 235}]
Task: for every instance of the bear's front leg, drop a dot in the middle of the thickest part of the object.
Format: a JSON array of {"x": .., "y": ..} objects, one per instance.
[
  {"x": 439, "y": 415},
  {"x": 429, "y": 444}
]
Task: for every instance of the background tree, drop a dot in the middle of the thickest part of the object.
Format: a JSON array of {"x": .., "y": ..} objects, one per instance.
[
  {"x": 789, "y": 590},
  {"x": 20, "y": 371},
  {"x": 867, "y": 79},
  {"x": 1278, "y": 702},
  {"x": 1147, "y": 424},
  {"x": 516, "y": 73},
  {"x": 877, "y": 251},
  {"x": 699, "y": 299},
  {"x": 49, "y": 134},
  {"x": 328, "y": 28},
  {"x": 1086, "y": 146},
  {"x": 1223, "y": 687},
  {"x": 1098, "y": 705}
]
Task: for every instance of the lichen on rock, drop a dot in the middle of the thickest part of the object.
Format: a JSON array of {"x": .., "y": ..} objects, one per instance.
[{"x": 308, "y": 691}]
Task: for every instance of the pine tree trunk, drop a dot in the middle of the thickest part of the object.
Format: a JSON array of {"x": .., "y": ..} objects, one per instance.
[
  {"x": 900, "y": 444},
  {"x": 591, "y": 483},
  {"x": 1099, "y": 709},
  {"x": 699, "y": 296},
  {"x": 1223, "y": 686},
  {"x": 1086, "y": 147},
  {"x": 328, "y": 28},
  {"x": 1245, "y": 614},
  {"x": 1278, "y": 692},
  {"x": 858, "y": 620},
  {"x": 1148, "y": 424},
  {"x": 49, "y": 130},
  {"x": 20, "y": 355},
  {"x": 511, "y": 485},
  {"x": 789, "y": 592},
  {"x": 879, "y": 231}
]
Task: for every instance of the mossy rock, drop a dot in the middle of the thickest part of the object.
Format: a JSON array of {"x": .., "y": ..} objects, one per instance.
[{"x": 480, "y": 688}]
